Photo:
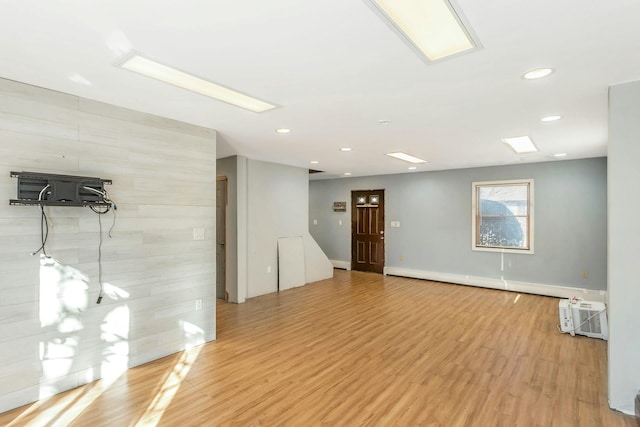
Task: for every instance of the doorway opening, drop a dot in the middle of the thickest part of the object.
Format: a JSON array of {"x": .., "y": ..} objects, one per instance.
[{"x": 221, "y": 238}]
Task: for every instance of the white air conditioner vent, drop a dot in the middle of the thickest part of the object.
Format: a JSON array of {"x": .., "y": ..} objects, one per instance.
[
  {"x": 590, "y": 321},
  {"x": 584, "y": 318}
]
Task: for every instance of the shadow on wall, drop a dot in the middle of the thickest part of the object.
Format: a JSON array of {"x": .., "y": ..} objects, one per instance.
[
  {"x": 77, "y": 343},
  {"x": 77, "y": 348}
]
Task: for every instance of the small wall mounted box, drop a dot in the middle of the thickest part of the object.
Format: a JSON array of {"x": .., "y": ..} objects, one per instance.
[{"x": 339, "y": 206}]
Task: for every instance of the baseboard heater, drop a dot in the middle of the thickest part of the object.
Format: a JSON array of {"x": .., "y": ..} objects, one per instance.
[{"x": 587, "y": 318}]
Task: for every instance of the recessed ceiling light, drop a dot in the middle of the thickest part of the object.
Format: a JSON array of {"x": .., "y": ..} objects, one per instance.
[
  {"x": 412, "y": 168},
  {"x": 538, "y": 73},
  {"x": 550, "y": 118},
  {"x": 560, "y": 155},
  {"x": 521, "y": 144},
  {"x": 283, "y": 130},
  {"x": 347, "y": 173},
  {"x": 345, "y": 149},
  {"x": 433, "y": 28},
  {"x": 314, "y": 162},
  {"x": 406, "y": 157},
  {"x": 181, "y": 79}
]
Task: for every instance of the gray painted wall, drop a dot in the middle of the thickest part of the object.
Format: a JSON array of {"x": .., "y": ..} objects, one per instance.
[
  {"x": 434, "y": 211},
  {"x": 267, "y": 201},
  {"x": 278, "y": 206},
  {"x": 53, "y": 335},
  {"x": 624, "y": 234}
]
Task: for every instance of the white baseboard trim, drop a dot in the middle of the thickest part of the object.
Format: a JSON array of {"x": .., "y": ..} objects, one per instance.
[
  {"x": 507, "y": 285},
  {"x": 344, "y": 265}
]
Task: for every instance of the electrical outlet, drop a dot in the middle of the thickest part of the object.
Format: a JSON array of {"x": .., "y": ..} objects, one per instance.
[
  {"x": 395, "y": 224},
  {"x": 315, "y": 222},
  {"x": 199, "y": 304},
  {"x": 585, "y": 274},
  {"x": 339, "y": 222},
  {"x": 401, "y": 257},
  {"x": 268, "y": 269}
]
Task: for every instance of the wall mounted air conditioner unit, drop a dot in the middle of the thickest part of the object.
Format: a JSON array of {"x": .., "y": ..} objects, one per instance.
[{"x": 584, "y": 318}]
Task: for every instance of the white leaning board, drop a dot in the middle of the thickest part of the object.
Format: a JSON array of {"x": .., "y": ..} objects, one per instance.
[{"x": 291, "y": 272}]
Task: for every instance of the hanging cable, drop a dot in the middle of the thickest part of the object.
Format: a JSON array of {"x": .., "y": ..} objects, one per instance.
[
  {"x": 100, "y": 260},
  {"x": 115, "y": 208},
  {"x": 106, "y": 197},
  {"x": 113, "y": 224},
  {"x": 99, "y": 212},
  {"x": 44, "y": 225}
]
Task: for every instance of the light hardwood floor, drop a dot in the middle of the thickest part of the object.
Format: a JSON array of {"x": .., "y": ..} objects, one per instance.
[{"x": 361, "y": 349}]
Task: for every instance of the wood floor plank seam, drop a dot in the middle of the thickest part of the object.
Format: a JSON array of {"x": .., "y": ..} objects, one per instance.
[{"x": 363, "y": 349}]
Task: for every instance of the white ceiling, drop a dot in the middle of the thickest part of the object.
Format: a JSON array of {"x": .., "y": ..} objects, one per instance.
[{"x": 335, "y": 69}]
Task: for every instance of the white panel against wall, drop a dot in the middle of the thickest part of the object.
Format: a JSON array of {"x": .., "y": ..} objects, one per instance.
[
  {"x": 291, "y": 271},
  {"x": 317, "y": 265},
  {"x": 152, "y": 270}
]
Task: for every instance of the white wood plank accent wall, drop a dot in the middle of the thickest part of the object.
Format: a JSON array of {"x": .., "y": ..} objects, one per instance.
[{"x": 53, "y": 335}]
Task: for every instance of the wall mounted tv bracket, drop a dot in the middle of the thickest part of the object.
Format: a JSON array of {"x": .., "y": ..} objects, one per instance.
[{"x": 62, "y": 190}]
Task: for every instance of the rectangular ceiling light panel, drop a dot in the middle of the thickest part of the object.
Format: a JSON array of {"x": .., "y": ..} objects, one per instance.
[
  {"x": 521, "y": 144},
  {"x": 406, "y": 157},
  {"x": 186, "y": 81},
  {"x": 431, "y": 26}
]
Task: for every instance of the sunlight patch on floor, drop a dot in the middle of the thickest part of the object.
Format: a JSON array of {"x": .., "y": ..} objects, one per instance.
[{"x": 163, "y": 399}]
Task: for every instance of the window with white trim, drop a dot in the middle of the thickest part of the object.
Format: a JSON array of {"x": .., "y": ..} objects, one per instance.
[{"x": 503, "y": 216}]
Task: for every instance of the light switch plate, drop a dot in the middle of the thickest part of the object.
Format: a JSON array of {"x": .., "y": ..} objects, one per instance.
[
  {"x": 198, "y": 234},
  {"x": 395, "y": 224}
]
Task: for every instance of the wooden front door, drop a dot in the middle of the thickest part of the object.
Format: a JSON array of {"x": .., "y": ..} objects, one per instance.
[{"x": 367, "y": 230}]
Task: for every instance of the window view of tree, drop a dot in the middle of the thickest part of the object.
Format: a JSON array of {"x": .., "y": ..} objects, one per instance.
[
  {"x": 502, "y": 215},
  {"x": 498, "y": 226}
]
